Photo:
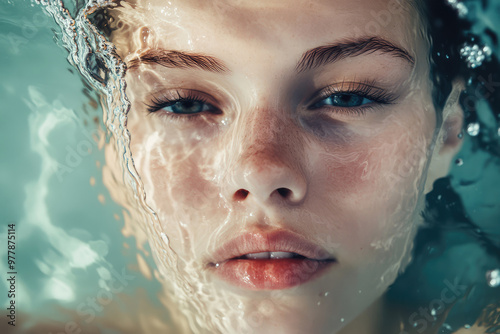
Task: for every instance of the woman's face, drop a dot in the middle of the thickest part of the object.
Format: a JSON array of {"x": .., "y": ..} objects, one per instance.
[{"x": 299, "y": 132}]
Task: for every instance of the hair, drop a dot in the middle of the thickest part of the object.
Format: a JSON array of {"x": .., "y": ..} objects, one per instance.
[
  {"x": 446, "y": 219},
  {"x": 446, "y": 65}
]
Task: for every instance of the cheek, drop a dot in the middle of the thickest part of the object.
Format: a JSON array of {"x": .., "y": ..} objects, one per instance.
[
  {"x": 373, "y": 187},
  {"x": 179, "y": 187}
]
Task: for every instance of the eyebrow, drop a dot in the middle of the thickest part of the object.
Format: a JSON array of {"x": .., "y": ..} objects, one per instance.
[
  {"x": 323, "y": 55},
  {"x": 178, "y": 59},
  {"x": 311, "y": 59}
]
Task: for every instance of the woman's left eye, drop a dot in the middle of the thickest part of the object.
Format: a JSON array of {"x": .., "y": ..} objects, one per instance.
[{"x": 343, "y": 100}]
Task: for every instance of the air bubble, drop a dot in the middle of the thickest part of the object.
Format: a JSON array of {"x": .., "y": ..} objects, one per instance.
[
  {"x": 475, "y": 55},
  {"x": 459, "y": 162},
  {"x": 459, "y": 7},
  {"x": 493, "y": 278},
  {"x": 473, "y": 129},
  {"x": 461, "y": 135}
]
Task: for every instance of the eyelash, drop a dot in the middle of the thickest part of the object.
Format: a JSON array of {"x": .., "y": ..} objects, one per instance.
[
  {"x": 158, "y": 103},
  {"x": 365, "y": 89}
]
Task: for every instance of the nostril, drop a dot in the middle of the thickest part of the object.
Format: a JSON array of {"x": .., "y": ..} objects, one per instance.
[
  {"x": 284, "y": 192},
  {"x": 240, "y": 194}
]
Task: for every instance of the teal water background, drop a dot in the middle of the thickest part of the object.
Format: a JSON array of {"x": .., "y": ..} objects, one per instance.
[{"x": 68, "y": 232}]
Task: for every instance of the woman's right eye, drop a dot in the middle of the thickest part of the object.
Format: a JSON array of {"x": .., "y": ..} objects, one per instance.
[
  {"x": 187, "y": 107},
  {"x": 180, "y": 104}
]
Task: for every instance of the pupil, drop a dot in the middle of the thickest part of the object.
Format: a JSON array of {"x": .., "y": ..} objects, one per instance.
[
  {"x": 348, "y": 100},
  {"x": 187, "y": 107}
]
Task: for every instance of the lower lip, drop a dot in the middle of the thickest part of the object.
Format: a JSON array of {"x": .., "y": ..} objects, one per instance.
[{"x": 274, "y": 274}]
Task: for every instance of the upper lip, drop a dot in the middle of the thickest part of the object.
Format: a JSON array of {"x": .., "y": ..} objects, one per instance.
[{"x": 274, "y": 241}]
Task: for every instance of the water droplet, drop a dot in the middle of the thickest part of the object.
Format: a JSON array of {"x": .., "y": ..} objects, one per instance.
[
  {"x": 473, "y": 129},
  {"x": 433, "y": 312},
  {"x": 499, "y": 132},
  {"x": 164, "y": 238},
  {"x": 459, "y": 162},
  {"x": 319, "y": 303},
  {"x": 461, "y": 135},
  {"x": 493, "y": 278},
  {"x": 359, "y": 291},
  {"x": 439, "y": 197},
  {"x": 342, "y": 319},
  {"x": 467, "y": 326},
  {"x": 325, "y": 294}
]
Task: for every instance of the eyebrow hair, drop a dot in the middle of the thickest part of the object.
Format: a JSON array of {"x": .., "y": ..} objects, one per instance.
[
  {"x": 311, "y": 59},
  {"x": 349, "y": 48},
  {"x": 178, "y": 59}
]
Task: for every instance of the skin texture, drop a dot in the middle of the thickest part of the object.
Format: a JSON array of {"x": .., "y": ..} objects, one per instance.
[{"x": 350, "y": 180}]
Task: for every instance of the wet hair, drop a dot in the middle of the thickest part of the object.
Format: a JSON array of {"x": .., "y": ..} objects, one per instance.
[
  {"x": 449, "y": 33},
  {"x": 447, "y": 222}
]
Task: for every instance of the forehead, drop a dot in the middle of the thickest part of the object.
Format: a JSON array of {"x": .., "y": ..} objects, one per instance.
[{"x": 275, "y": 24}]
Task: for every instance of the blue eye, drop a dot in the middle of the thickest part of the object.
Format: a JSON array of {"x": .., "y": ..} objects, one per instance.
[
  {"x": 181, "y": 104},
  {"x": 343, "y": 100},
  {"x": 186, "y": 106}
]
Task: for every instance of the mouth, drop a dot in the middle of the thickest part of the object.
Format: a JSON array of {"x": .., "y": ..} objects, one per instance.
[{"x": 270, "y": 261}]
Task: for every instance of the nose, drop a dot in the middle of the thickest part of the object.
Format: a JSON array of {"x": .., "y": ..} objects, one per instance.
[{"x": 269, "y": 160}]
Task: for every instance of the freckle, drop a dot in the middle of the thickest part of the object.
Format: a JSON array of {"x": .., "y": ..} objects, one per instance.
[
  {"x": 116, "y": 216},
  {"x": 92, "y": 181}
]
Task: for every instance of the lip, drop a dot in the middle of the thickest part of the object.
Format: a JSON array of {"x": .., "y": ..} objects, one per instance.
[{"x": 269, "y": 274}]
